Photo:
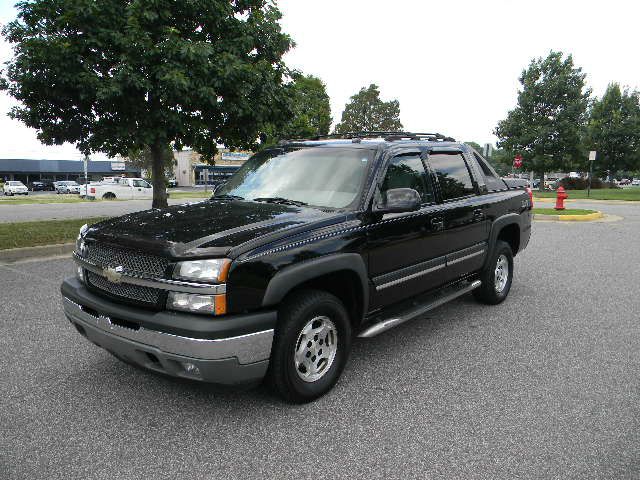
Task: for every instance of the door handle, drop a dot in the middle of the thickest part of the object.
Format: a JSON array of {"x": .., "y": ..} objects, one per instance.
[
  {"x": 478, "y": 214},
  {"x": 437, "y": 223}
]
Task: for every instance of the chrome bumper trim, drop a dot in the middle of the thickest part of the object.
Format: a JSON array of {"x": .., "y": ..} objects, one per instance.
[
  {"x": 159, "y": 283},
  {"x": 250, "y": 348}
]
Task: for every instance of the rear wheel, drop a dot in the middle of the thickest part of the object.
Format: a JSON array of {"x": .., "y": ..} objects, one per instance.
[
  {"x": 497, "y": 276},
  {"x": 109, "y": 196},
  {"x": 311, "y": 346}
]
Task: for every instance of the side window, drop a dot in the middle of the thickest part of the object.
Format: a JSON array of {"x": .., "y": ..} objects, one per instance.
[
  {"x": 141, "y": 184},
  {"x": 407, "y": 171},
  {"x": 492, "y": 180},
  {"x": 453, "y": 175}
]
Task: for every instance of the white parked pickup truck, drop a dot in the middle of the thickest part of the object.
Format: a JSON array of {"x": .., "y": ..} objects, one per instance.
[{"x": 120, "y": 188}]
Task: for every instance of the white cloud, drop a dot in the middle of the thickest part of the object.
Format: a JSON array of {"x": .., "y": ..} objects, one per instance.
[{"x": 452, "y": 65}]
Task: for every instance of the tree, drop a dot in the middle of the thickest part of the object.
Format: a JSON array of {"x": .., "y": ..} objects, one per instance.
[
  {"x": 547, "y": 124},
  {"x": 367, "y": 112},
  {"x": 128, "y": 75},
  {"x": 614, "y": 130},
  {"x": 310, "y": 110}
]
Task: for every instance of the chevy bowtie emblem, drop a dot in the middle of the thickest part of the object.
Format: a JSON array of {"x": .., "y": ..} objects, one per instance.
[{"x": 114, "y": 275}]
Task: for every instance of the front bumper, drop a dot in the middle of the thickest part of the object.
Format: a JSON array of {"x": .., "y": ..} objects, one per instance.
[{"x": 242, "y": 358}]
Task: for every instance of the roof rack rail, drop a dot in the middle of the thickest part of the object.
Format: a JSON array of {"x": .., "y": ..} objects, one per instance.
[{"x": 389, "y": 136}]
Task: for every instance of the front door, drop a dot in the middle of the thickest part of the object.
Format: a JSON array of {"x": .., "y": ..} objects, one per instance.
[{"x": 407, "y": 251}]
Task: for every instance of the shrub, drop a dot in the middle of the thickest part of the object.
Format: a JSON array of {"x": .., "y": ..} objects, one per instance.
[{"x": 582, "y": 184}]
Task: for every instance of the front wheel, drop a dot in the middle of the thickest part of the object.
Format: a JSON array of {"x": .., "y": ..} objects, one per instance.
[
  {"x": 497, "y": 276},
  {"x": 311, "y": 346}
]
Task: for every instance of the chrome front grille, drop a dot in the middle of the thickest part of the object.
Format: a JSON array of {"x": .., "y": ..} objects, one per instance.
[
  {"x": 149, "y": 296},
  {"x": 130, "y": 260}
]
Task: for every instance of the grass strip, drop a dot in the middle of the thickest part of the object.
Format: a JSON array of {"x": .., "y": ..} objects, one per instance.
[
  {"x": 35, "y": 199},
  {"x": 568, "y": 211},
  {"x": 629, "y": 194},
  {"x": 198, "y": 194},
  {"x": 47, "y": 232}
]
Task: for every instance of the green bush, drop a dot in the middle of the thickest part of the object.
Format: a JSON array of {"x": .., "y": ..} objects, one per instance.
[{"x": 582, "y": 184}]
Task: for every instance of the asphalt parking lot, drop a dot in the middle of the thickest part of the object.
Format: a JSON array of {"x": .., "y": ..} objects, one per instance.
[{"x": 545, "y": 385}]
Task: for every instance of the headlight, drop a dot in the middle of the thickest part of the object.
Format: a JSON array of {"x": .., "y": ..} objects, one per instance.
[
  {"x": 189, "y": 302},
  {"x": 80, "y": 246},
  {"x": 208, "y": 270}
]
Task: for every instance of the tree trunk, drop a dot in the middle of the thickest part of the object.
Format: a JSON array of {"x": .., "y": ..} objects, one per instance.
[
  {"x": 541, "y": 185},
  {"x": 157, "y": 174}
]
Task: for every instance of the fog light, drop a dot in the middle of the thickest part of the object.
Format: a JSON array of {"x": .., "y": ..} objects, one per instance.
[
  {"x": 189, "y": 302},
  {"x": 190, "y": 368},
  {"x": 80, "y": 274}
]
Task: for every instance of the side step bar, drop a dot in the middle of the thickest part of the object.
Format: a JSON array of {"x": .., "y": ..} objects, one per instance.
[{"x": 384, "y": 325}]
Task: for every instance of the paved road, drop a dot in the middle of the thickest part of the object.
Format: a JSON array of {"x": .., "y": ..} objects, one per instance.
[{"x": 546, "y": 385}]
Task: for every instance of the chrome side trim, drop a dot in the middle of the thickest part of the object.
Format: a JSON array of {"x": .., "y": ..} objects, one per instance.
[
  {"x": 409, "y": 277},
  {"x": 159, "y": 283},
  {"x": 384, "y": 325},
  {"x": 250, "y": 348},
  {"x": 460, "y": 259}
]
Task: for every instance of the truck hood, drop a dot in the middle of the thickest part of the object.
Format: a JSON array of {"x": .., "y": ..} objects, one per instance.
[{"x": 210, "y": 227}]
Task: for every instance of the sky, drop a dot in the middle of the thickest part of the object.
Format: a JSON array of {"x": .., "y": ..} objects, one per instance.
[{"x": 453, "y": 65}]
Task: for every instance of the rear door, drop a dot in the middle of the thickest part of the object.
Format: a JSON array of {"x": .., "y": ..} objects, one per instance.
[
  {"x": 464, "y": 211},
  {"x": 406, "y": 250}
]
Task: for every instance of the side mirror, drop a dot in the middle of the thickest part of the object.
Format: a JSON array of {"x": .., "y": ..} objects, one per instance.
[{"x": 400, "y": 200}]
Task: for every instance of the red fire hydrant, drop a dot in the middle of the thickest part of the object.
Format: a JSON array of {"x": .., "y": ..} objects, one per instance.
[{"x": 561, "y": 196}]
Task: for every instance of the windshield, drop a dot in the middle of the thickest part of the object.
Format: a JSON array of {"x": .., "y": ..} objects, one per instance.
[
  {"x": 325, "y": 177},
  {"x": 16, "y": 184}
]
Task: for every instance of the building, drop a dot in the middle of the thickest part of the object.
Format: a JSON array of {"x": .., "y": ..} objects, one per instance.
[
  {"x": 189, "y": 170},
  {"x": 27, "y": 171}
]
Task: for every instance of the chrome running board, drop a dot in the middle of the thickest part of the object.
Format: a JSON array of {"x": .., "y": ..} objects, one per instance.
[{"x": 384, "y": 325}]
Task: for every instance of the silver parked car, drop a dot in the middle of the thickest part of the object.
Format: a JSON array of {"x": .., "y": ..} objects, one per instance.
[{"x": 67, "y": 186}]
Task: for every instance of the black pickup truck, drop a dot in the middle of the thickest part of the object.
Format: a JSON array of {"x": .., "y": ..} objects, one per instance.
[{"x": 308, "y": 245}]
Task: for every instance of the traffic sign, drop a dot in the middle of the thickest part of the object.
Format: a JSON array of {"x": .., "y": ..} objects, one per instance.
[
  {"x": 517, "y": 161},
  {"x": 592, "y": 155}
]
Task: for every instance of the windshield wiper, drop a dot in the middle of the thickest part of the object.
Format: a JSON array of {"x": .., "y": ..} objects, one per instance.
[
  {"x": 284, "y": 201},
  {"x": 229, "y": 197}
]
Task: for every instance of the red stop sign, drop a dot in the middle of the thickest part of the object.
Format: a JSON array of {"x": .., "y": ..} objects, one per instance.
[{"x": 517, "y": 161}]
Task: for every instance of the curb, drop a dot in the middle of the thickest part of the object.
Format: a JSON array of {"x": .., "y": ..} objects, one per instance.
[
  {"x": 569, "y": 218},
  {"x": 16, "y": 254}
]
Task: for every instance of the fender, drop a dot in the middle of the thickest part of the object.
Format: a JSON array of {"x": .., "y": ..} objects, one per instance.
[
  {"x": 499, "y": 224},
  {"x": 289, "y": 277}
]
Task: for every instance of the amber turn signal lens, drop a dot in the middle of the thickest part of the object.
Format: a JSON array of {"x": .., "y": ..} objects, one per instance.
[{"x": 221, "y": 304}]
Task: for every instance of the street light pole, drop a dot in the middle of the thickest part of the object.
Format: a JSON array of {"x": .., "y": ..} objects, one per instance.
[
  {"x": 592, "y": 158},
  {"x": 86, "y": 170}
]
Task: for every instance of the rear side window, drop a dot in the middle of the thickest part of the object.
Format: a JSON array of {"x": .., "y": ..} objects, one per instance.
[
  {"x": 491, "y": 179},
  {"x": 407, "y": 171},
  {"x": 453, "y": 175}
]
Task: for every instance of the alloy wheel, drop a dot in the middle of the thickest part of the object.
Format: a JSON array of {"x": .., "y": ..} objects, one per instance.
[{"x": 316, "y": 349}]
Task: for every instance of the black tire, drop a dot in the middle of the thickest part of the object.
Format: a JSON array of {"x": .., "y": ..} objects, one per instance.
[
  {"x": 488, "y": 292},
  {"x": 298, "y": 311},
  {"x": 108, "y": 196}
]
